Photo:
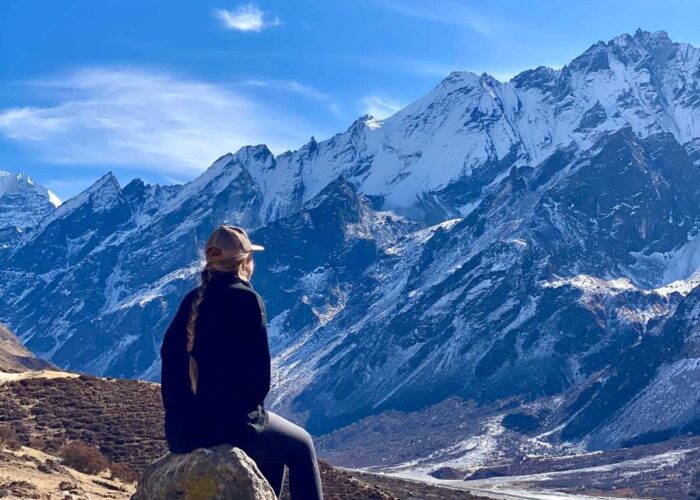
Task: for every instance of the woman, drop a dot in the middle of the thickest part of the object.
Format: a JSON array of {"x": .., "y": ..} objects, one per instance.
[{"x": 216, "y": 372}]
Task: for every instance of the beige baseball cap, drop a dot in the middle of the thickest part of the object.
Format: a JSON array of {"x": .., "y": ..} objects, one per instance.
[{"x": 227, "y": 245}]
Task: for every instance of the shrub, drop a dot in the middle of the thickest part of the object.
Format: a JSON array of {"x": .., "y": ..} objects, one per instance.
[
  {"x": 123, "y": 472},
  {"x": 8, "y": 438},
  {"x": 84, "y": 458}
]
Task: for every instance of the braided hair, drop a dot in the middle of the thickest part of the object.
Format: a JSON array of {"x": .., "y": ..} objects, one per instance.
[
  {"x": 191, "y": 323},
  {"x": 243, "y": 268}
]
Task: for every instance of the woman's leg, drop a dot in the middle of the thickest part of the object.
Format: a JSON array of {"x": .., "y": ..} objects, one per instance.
[{"x": 283, "y": 441}]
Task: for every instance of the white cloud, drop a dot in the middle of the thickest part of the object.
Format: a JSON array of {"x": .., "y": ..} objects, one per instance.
[
  {"x": 380, "y": 107},
  {"x": 246, "y": 18},
  {"x": 146, "y": 119}
]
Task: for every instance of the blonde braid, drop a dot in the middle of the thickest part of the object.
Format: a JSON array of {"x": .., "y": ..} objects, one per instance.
[{"x": 191, "y": 323}]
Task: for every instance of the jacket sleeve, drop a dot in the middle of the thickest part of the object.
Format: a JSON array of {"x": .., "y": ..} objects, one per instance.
[
  {"x": 260, "y": 353},
  {"x": 173, "y": 355}
]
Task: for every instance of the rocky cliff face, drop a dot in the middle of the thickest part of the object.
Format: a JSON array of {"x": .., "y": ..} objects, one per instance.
[{"x": 492, "y": 241}]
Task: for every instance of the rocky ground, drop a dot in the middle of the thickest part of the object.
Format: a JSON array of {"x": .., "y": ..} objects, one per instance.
[{"x": 30, "y": 473}]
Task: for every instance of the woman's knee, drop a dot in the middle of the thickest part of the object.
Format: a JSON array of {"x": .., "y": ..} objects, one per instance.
[
  {"x": 297, "y": 441},
  {"x": 302, "y": 444}
]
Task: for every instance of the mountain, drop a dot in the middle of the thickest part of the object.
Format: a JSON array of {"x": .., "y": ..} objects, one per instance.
[
  {"x": 22, "y": 204},
  {"x": 530, "y": 244}
]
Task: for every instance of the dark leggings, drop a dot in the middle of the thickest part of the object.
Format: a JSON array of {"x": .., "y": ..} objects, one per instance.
[{"x": 284, "y": 443}]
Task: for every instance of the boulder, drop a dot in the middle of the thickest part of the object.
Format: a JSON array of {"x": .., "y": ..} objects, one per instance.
[{"x": 223, "y": 472}]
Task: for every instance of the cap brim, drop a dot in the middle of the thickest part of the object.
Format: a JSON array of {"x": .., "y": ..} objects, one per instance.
[{"x": 257, "y": 248}]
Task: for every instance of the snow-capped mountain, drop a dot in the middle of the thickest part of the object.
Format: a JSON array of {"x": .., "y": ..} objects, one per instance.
[
  {"x": 22, "y": 204},
  {"x": 497, "y": 242}
]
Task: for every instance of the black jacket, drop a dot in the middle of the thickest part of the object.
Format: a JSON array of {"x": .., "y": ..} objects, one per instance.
[{"x": 234, "y": 367}]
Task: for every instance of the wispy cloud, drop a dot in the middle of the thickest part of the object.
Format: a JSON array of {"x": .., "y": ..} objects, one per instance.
[
  {"x": 146, "y": 118},
  {"x": 380, "y": 107},
  {"x": 453, "y": 12},
  {"x": 288, "y": 86},
  {"x": 295, "y": 87},
  {"x": 246, "y": 18}
]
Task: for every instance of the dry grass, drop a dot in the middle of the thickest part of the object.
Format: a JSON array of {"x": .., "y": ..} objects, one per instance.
[{"x": 123, "y": 418}]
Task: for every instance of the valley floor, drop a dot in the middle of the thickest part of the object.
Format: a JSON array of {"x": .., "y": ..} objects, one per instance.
[
  {"x": 507, "y": 490},
  {"x": 669, "y": 470}
]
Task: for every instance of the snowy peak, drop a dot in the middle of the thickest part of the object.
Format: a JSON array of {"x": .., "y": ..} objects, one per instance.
[
  {"x": 102, "y": 195},
  {"x": 259, "y": 155},
  {"x": 146, "y": 199},
  {"x": 22, "y": 204},
  {"x": 643, "y": 47},
  {"x": 13, "y": 183},
  {"x": 79, "y": 223},
  {"x": 105, "y": 189},
  {"x": 648, "y": 40},
  {"x": 459, "y": 79}
]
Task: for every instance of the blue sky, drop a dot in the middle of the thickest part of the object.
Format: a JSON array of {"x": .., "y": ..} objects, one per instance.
[{"x": 159, "y": 89}]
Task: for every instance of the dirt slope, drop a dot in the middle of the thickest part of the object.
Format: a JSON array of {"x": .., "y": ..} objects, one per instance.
[{"x": 14, "y": 357}]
